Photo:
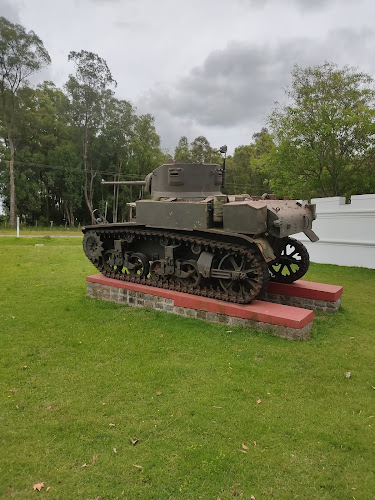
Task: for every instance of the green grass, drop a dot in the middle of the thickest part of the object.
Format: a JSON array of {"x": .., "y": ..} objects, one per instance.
[
  {"x": 5, "y": 229},
  {"x": 70, "y": 366}
]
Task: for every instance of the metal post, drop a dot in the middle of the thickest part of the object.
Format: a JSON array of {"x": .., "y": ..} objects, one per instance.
[{"x": 18, "y": 226}]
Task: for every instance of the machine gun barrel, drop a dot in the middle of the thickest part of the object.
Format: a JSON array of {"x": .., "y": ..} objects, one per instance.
[{"x": 125, "y": 183}]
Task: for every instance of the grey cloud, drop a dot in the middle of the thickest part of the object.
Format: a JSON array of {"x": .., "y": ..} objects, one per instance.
[
  {"x": 122, "y": 25},
  {"x": 303, "y": 5},
  {"x": 241, "y": 82},
  {"x": 8, "y": 11}
]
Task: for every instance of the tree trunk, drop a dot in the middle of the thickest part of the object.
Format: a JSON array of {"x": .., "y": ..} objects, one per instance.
[
  {"x": 69, "y": 215},
  {"x": 88, "y": 198},
  {"x": 12, "y": 191}
]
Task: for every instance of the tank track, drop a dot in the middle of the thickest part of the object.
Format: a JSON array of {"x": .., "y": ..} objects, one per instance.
[{"x": 210, "y": 289}]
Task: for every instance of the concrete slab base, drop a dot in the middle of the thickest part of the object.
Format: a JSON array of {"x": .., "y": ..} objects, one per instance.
[{"x": 283, "y": 320}]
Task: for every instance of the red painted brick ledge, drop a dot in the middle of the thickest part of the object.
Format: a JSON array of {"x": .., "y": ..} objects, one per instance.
[
  {"x": 261, "y": 311},
  {"x": 307, "y": 290}
]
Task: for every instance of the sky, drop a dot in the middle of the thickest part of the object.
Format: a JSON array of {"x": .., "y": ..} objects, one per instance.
[{"x": 202, "y": 67}]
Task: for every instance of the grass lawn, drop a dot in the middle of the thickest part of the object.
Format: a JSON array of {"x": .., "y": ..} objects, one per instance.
[
  {"x": 36, "y": 230},
  {"x": 217, "y": 414}
]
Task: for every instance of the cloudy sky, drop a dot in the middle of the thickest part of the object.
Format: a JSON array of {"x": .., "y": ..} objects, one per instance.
[{"x": 202, "y": 67}]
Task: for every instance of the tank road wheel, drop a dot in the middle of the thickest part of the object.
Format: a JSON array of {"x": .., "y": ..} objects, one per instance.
[
  {"x": 292, "y": 264},
  {"x": 193, "y": 277},
  {"x": 252, "y": 279},
  {"x": 140, "y": 265},
  {"x": 92, "y": 246},
  {"x": 108, "y": 263}
]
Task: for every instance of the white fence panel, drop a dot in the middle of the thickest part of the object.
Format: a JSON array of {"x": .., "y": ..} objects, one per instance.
[{"x": 346, "y": 231}]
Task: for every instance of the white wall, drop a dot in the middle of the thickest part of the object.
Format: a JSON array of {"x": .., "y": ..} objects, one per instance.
[{"x": 346, "y": 231}]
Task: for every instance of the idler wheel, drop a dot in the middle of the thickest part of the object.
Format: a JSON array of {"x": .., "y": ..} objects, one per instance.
[
  {"x": 250, "y": 281},
  {"x": 292, "y": 263},
  {"x": 140, "y": 265}
]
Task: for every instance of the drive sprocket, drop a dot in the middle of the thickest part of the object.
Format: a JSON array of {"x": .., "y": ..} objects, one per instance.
[{"x": 92, "y": 246}]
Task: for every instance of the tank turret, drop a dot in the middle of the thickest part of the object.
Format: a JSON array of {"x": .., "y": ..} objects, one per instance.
[{"x": 191, "y": 237}]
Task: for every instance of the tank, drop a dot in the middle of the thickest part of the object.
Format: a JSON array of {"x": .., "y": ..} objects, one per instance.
[{"x": 190, "y": 237}]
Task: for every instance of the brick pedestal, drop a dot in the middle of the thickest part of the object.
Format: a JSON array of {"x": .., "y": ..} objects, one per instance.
[{"x": 283, "y": 320}]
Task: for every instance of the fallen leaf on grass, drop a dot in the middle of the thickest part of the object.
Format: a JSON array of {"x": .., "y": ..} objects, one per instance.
[
  {"x": 158, "y": 393},
  {"x": 112, "y": 425},
  {"x": 259, "y": 401},
  {"x": 138, "y": 466},
  {"x": 14, "y": 390},
  {"x": 254, "y": 443},
  {"x": 234, "y": 493},
  {"x": 242, "y": 451},
  {"x": 49, "y": 407},
  {"x": 348, "y": 374},
  {"x": 229, "y": 331},
  {"x": 114, "y": 450},
  {"x": 24, "y": 367},
  {"x": 94, "y": 458},
  {"x": 38, "y": 486},
  {"x": 244, "y": 447},
  {"x": 13, "y": 317},
  {"x": 161, "y": 335},
  {"x": 134, "y": 441},
  {"x": 49, "y": 487},
  {"x": 252, "y": 497},
  {"x": 84, "y": 465}
]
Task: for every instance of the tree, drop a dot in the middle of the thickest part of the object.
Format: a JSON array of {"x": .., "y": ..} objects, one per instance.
[
  {"x": 182, "y": 151},
  {"x": 198, "y": 151},
  {"x": 88, "y": 90},
  {"x": 116, "y": 142},
  {"x": 247, "y": 168},
  {"x": 202, "y": 152},
  {"x": 22, "y": 53},
  {"x": 325, "y": 134}
]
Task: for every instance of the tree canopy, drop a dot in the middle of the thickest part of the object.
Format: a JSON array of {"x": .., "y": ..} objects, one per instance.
[
  {"x": 198, "y": 151},
  {"x": 325, "y": 133}
]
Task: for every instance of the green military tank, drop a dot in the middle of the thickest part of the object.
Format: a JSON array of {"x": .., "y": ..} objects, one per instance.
[{"x": 190, "y": 237}]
